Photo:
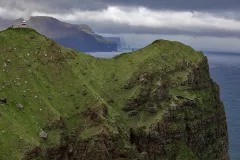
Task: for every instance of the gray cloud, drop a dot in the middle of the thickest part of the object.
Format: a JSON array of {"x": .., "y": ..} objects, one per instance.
[
  {"x": 63, "y": 5},
  {"x": 141, "y": 20},
  {"x": 113, "y": 28},
  {"x": 117, "y": 20},
  {"x": 198, "y": 5}
]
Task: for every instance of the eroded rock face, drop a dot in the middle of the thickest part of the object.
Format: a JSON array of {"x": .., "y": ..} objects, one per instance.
[
  {"x": 206, "y": 136},
  {"x": 199, "y": 77},
  {"x": 148, "y": 99},
  {"x": 202, "y": 128}
]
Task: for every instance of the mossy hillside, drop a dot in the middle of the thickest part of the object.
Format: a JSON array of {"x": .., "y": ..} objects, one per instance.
[
  {"x": 36, "y": 74},
  {"x": 55, "y": 83}
]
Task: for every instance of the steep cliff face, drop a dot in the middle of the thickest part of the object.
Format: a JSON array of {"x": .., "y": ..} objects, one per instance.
[
  {"x": 155, "y": 103},
  {"x": 193, "y": 124}
]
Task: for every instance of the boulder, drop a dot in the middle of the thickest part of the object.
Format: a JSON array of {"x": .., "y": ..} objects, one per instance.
[
  {"x": 142, "y": 79},
  {"x": 3, "y": 100},
  {"x": 43, "y": 134},
  {"x": 7, "y": 84},
  {"x": 19, "y": 106}
]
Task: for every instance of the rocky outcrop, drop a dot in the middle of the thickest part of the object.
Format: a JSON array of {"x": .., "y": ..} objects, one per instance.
[
  {"x": 199, "y": 77},
  {"x": 3, "y": 100}
]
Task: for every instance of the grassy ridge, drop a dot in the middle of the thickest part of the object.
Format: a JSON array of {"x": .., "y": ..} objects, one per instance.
[{"x": 53, "y": 82}]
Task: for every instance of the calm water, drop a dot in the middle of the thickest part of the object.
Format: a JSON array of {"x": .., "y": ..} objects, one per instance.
[{"x": 225, "y": 70}]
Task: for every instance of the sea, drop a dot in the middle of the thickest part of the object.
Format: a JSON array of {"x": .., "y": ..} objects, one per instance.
[{"x": 225, "y": 70}]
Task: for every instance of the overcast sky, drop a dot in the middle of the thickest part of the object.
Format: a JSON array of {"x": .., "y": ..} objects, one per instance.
[{"x": 205, "y": 24}]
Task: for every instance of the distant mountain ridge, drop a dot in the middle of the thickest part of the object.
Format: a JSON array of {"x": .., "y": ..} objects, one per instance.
[{"x": 79, "y": 37}]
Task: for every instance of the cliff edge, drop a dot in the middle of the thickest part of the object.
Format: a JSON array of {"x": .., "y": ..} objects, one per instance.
[{"x": 156, "y": 103}]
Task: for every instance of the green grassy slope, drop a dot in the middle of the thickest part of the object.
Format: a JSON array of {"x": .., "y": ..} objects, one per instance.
[{"x": 55, "y": 83}]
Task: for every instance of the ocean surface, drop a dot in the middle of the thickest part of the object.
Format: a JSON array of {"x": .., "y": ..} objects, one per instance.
[{"x": 225, "y": 70}]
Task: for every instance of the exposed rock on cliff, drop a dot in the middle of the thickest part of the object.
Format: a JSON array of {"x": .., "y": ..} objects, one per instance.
[{"x": 155, "y": 103}]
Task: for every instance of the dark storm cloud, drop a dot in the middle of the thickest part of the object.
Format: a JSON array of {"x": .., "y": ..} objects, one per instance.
[
  {"x": 52, "y": 6},
  {"x": 64, "y": 5}
]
